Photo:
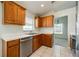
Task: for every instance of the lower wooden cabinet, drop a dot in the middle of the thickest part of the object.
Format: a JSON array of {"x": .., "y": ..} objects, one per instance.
[
  {"x": 11, "y": 48},
  {"x": 47, "y": 40},
  {"x": 36, "y": 42},
  {"x": 13, "y": 51},
  {"x": 42, "y": 39}
]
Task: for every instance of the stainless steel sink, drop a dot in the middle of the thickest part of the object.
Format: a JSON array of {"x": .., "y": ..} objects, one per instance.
[{"x": 32, "y": 33}]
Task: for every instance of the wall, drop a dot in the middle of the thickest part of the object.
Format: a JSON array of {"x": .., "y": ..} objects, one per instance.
[
  {"x": 46, "y": 30},
  {"x": 71, "y": 19},
  {"x": 77, "y": 41}
]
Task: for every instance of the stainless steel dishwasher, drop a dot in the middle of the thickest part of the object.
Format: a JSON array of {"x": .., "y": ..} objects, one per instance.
[{"x": 25, "y": 46}]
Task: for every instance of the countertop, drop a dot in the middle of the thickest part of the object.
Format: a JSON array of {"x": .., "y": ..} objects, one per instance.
[
  {"x": 14, "y": 36},
  {"x": 9, "y": 37}
]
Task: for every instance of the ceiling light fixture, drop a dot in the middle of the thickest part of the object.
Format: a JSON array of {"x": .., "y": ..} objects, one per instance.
[{"x": 42, "y": 5}]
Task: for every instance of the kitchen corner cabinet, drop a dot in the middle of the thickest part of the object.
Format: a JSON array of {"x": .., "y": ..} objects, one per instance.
[
  {"x": 46, "y": 21},
  {"x": 36, "y": 42},
  {"x": 50, "y": 21},
  {"x": 38, "y": 22},
  {"x": 47, "y": 40},
  {"x": 13, "y": 13},
  {"x": 11, "y": 48}
]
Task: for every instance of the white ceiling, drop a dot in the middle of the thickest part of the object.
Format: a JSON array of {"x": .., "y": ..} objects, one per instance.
[{"x": 34, "y": 6}]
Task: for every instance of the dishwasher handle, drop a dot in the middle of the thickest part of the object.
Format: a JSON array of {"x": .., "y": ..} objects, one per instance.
[{"x": 26, "y": 39}]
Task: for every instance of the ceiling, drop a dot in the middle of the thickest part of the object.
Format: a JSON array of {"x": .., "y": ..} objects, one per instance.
[{"x": 35, "y": 6}]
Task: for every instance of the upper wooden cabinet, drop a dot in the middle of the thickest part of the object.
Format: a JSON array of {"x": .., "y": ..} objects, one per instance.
[
  {"x": 21, "y": 16},
  {"x": 50, "y": 20},
  {"x": 46, "y": 21},
  {"x": 38, "y": 22},
  {"x": 13, "y": 13}
]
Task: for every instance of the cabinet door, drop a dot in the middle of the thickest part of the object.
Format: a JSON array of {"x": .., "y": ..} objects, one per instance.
[
  {"x": 36, "y": 42},
  {"x": 44, "y": 19},
  {"x": 49, "y": 21},
  {"x": 9, "y": 12},
  {"x": 13, "y": 51},
  {"x": 21, "y": 16},
  {"x": 47, "y": 40},
  {"x": 38, "y": 22}
]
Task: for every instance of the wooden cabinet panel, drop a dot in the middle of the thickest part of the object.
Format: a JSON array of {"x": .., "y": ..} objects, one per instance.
[
  {"x": 13, "y": 51},
  {"x": 11, "y": 48},
  {"x": 44, "y": 20},
  {"x": 36, "y": 42},
  {"x": 9, "y": 12},
  {"x": 21, "y": 16},
  {"x": 12, "y": 43},
  {"x": 49, "y": 21},
  {"x": 38, "y": 22},
  {"x": 47, "y": 40},
  {"x": 13, "y": 13}
]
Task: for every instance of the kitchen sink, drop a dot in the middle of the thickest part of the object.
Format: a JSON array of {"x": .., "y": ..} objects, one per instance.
[{"x": 32, "y": 33}]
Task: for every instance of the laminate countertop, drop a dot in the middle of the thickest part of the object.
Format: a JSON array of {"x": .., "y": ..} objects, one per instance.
[
  {"x": 14, "y": 36},
  {"x": 9, "y": 37}
]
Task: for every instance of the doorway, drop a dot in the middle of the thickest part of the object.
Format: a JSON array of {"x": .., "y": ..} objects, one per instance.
[{"x": 60, "y": 31}]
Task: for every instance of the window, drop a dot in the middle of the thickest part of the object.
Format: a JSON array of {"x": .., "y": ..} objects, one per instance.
[
  {"x": 29, "y": 25},
  {"x": 58, "y": 28}
]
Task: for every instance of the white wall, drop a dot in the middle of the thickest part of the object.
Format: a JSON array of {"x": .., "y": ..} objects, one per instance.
[
  {"x": 77, "y": 41},
  {"x": 46, "y": 30},
  {"x": 71, "y": 13}
]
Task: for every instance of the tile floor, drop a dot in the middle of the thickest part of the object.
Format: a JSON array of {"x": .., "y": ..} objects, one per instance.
[
  {"x": 55, "y": 51},
  {"x": 61, "y": 42}
]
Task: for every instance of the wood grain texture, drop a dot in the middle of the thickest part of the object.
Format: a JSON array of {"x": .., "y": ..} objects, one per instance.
[
  {"x": 47, "y": 40},
  {"x": 47, "y": 21},
  {"x": 11, "y": 48},
  {"x": 36, "y": 42},
  {"x": 13, "y": 13}
]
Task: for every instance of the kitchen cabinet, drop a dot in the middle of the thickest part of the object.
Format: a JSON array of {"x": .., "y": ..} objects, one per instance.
[
  {"x": 38, "y": 22},
  {"x": 21, "y": 16},
  {"x": 50, "y": 21},
  {"x": 47, "y": 40},
  {"x": 11, "y": 48},
  {"x": 44, "y": 20},
  {"x": 36, "y": 42},
  {"x": 47, "y": 21},
  {"x": 13, "y": 13}
]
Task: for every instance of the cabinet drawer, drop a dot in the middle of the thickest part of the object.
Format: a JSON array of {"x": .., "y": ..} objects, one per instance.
[{"x": 13, "y": 42}]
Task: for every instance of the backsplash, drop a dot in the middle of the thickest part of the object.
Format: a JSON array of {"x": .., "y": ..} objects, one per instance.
[{"x": 46, "y": 30}]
